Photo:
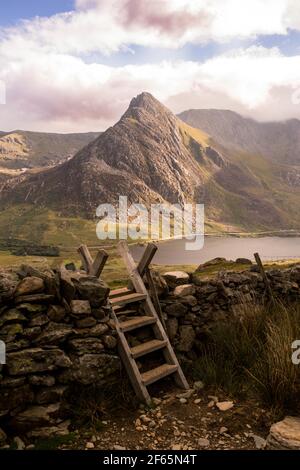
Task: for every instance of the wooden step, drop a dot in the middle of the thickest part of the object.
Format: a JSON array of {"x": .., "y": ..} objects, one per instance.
[
  {"x": 120, "y": 292},
  {"x": 127, "y": 312},
  {"x": 127, "y": 299},
  {"x": 146, "y": 348},
  {"x": 158, "y": 373},
  {"x": 135, "y": 323}
]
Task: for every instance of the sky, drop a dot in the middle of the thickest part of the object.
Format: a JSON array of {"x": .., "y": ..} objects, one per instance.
[{"x": 74, "y": 65}]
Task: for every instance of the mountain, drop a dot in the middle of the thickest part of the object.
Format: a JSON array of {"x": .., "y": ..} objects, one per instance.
[
  {"x": 151, "y": 156},
  {"x": 23, "y": 149},
  {"x": 143, "y": 156},
  {"x": 277, "y": 141}
]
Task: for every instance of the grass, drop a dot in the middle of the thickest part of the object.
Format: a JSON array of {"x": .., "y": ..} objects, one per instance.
[{"x": 252, "y": 355}]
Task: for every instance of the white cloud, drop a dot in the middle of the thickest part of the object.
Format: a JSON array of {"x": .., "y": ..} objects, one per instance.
[
  {"x": 63, "y": 93},
  {"x": 108, "y": 25},
  {"x": 51, "y": 87}
]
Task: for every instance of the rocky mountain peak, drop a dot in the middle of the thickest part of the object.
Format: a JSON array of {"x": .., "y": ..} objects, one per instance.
[{"x": 145, "y": 106}]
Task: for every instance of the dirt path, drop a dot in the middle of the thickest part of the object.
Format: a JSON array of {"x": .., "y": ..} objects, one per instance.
[{"x": 179, "y": 421}]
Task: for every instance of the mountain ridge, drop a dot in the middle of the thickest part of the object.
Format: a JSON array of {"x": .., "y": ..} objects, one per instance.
[
  {"x": 277, "y": 140},
  {"x": 152, "y": 156},
  {"x": 21, "y": 149}
]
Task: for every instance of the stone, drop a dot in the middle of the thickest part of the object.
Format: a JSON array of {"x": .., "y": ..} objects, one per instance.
[
  {"x": 41, "y": 380},
  {"x": 49, "y": 277},
  {"x": 17, "y": 345},
  {"x": 62, "y": 429},
  {"x": 20, "y": 445},
  {"x": 175, "y": 278},
  {"x": 87, "y": 322},
  {"x": 35, "y": 417},
  {"x": 12, "y": 382},
  {"x": 176, "y": 447},
  {"x": 3, "y": 437},
  {"x": 67, "y": 287},
  {"x": 99, "y": 313},
  {"x": 56, "y": 313},
  {"x": 186, "y": 394},
  {"x": 32, "y": 333},
  {"x": 92, "y": 289},
  {"x": 184, "y": 290},
  {"x": 50, "y": 394},
  {"x": 110, "y": 342},
  {"x": 80, "y": 307},
  {"x": 35, "y": 298},
  {"x": 118, "y": 447},
  {"x": 176, "y": 309},
  {"x": 9, "y": 332},
  {"x": 187, "y": 337},
  {"x": 99, "y": 330},
  {"x": 224, "y": 405},
  {"x": 223, "y": 430},
  {"x": 160, "y": 283},
  {"x": 8, "y": 283},
  {"x": 12, "y": 315},
  {"x": 34, "y": 360},
  {"x": 31, "y": 308},
  {"x": 90, "y": 368},
  {"x": 285, "y": 435},
  {"x": 198, "y": 385},
  {"x": 89, "y": 445},
  {"x": 190, "y": 300},
  {"x": 183, "y": 401},
  {"x": 86, "y": 345},
  {"x": 29, "y": 285},
  {"x": 53, "y": 334},
  {"x": 203, "y": 442},
  {"x": 39, "y": 320},
  {"x": 172, "y": 327},
  {"x": 259, "y": 442}
]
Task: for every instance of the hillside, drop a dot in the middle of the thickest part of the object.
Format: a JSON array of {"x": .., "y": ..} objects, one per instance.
[
  {"x": 24, "y": 149},
  {"x": 152, "y": 156},
  {"x": 278, "y": 141}
]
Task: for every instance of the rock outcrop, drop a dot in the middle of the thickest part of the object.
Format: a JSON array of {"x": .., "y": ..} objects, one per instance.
[{"x": 285, "y": 435}]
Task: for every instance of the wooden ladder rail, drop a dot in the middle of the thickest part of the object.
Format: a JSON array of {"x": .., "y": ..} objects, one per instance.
[
  {"x": 93, "y": 267},
  {"x": 158, "y": 328}
]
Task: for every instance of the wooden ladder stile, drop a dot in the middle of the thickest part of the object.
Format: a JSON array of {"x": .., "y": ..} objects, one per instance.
[
  {"x": 139, "y": 380},
  {"x": 131, "y": 298}
]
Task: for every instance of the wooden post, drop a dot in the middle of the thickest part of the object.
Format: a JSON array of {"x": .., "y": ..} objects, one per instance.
[
  {"x": 86, "y": 258},
  {"x": 93, "y": 267},
  {"x": 99, "y": 263},
  {"x": 146, "y": 259},
  {"x": 263, "y": 273},
  {"x": 155, "y": 297}
]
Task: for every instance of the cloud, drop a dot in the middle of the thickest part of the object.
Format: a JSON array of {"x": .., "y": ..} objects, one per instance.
[
  {"x": 63, "y": 93},
  {"x": 106, "y": 26},
  {"x": 51, "y": 86}
]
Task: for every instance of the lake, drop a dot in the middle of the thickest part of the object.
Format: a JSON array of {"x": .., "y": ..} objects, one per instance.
[{"x": 269, "y": 248}]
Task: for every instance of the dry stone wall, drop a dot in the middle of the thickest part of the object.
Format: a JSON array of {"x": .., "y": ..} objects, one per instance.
[
  {"x": 192, "y": 304},
  {"x": 57, "y": 332}
]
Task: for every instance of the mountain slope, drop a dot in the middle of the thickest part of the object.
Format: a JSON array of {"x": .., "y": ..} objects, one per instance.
[
  {"x": 24, "y": 149},
  {"x": 143, "y": 156},
  {"x": 278, "y": 141},
  {"x": 152, "y": 156}
]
